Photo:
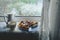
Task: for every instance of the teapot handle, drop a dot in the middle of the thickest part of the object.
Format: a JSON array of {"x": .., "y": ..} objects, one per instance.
[{"x": 5, "y": 19}]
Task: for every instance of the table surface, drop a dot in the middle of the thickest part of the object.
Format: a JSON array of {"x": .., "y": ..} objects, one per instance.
[
  {"x": 18, "y": 34},
  {"x": 4, "y": 29}
]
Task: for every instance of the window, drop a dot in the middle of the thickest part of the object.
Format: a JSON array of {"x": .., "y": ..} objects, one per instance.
[
  {"x": 23, "y": 7},
  {"x": 22, "y": 10}
]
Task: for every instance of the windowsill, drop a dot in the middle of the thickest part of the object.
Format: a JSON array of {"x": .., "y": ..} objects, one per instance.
[{"x": 19, "y": 36}]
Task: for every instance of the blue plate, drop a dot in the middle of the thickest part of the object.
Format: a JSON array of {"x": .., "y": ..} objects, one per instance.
[{"x": 22, "y": 29}]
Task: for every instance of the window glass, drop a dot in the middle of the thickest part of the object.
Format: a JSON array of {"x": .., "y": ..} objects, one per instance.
[{"x": 24, "y": 7}]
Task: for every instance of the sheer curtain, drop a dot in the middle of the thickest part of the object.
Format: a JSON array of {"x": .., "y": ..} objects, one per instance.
[
  {"x": 45, "y": 20},
  {"x": 51, "y": 20},
  {"x": 54, "y": 19}
]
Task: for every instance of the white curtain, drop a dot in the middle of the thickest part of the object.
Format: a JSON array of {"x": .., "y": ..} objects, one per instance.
[
  {"x": 50, "y": 16},
  {"x": 45, "y": 20}
]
